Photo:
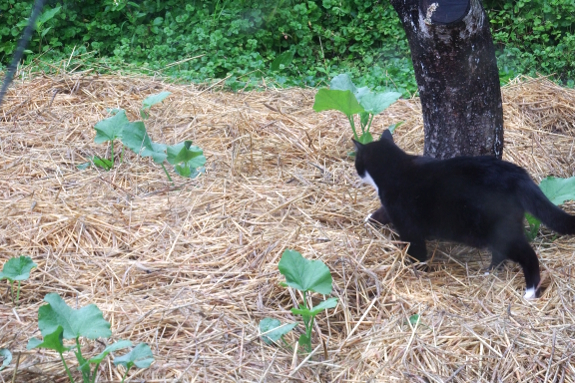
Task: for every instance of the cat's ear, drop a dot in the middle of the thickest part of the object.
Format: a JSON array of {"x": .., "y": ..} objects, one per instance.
[
  {"x": 386, "y": 135},
  {"x": 358, "y": 145}
]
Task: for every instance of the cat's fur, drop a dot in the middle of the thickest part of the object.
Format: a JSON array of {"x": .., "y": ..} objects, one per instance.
[{"x": 478, "y": 201}]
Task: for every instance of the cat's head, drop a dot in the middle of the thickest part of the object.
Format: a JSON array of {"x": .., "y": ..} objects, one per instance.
[{"x": 366, "y": 156}]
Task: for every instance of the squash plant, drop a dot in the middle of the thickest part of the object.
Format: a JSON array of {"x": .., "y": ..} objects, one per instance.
[{"x": 345, "y": 97}]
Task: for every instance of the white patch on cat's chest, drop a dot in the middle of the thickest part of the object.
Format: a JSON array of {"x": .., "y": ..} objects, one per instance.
[{"x": 368, "y": 180}]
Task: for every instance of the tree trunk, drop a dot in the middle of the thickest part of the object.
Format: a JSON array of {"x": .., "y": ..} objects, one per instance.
[{"x": 456, "y": 72}]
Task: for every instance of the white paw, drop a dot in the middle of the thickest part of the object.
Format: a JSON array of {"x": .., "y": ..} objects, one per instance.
[
  {"x": 487, "y": 273},
  {"x": 529, "y": 293},
  {"x": 368, "y": 218}
]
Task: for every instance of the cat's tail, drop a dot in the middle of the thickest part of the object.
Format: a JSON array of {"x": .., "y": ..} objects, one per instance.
[{"x": 535, "y": 202}]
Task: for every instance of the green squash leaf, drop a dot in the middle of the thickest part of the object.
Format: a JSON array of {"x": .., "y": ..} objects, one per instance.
[
  {"x": 366, "y": 138},
  {"x": 375, "y": 103},
  {"x": 392, "y": 127},
  {"x": 141, "y": 356},
  {"x": 136, "y": 138},
  {"x": 284, "y": 59},
  {"x": 48, "y": 14},
  {"x": 102, "y": 162},
  {"x": 533, "y": 230},
  {"x": 151, "y": 101},
  {"x": 52, "y": 341},
  {"x": 414, "y": 319},
  {"x": 111, "y": 128},
  {"x": 156, "y": 151},
  {"x": 186, "y": 158},
  {"x": 154, "y": 99},
  {"x": 111, "y": 348},
  {"x": 17, "y": 269},
  {"x": 7, "y": 356},
  {"x": 343, "y": 82},
  {"x": 303, "y": 274},
  {"x": 341, "y": 100},
  {"x": 83, "y": 166},
  {"x": 558, "y": 190},
  {"x": 277, "y": 332},
  {"x": 306, "y": 313},
  {"x": 87, "y": 321}
]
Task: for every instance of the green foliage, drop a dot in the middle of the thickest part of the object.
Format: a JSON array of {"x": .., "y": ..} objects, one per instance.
[
  {"x": 110, "y": 128},
  {"x": 345, "y": 97},
  {"x": 17, "y": 269},
  {"x": 414, "y": 319},
  {"x": 52, "y": 341},
  {"x": 293, "y": 42},
  {"x": 342, "y": 100},
  {"x": 6, "y": 356},
  {"x": 533, "y": 225},
  {"x": 151, "y": 101},
  {"x": 534, "y": 36},
  {"x": 282, "y": 60},
  {"x": 140, "y": 356},
  {"x": 303, "y": 275},
  {"x": 558, "y": 190},
  {"x": 274, "y": 330},
  {"x": 58, "y": 322},
  {"x": 188, "y": 160},
  {"x": 87, "y": 321}
]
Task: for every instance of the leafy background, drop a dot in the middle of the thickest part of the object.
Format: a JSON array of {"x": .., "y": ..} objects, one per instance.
[{"x": 310, "y": 41}]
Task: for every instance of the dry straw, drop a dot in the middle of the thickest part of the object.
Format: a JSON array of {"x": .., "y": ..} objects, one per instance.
[{"x": 192, "y": 269}]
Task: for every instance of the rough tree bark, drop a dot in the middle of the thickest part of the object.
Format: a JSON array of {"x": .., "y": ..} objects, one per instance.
[{"x": 456, "y": 72}]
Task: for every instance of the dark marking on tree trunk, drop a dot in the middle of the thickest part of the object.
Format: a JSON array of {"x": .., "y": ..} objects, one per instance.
[{"x": 456, "y": 71}]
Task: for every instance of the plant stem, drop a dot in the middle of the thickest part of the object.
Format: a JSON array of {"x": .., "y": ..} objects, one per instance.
[
  {"x": 95, "y": 374},
  {"x": 350, "y": 118},
  {"x": 112, "y": 153},
  {"x": 81, "y": 361},
  {"x": 307, "y": 324},
  {"x": 18, "y": 293},
  {"x": 371, "y": 116},
  {"x": 124, "y": 377},
  {"x": 167, "y": 174},
  {"x": 12, "y": 290},
  {"x": 308, "y": 329},
  {"x": 66, "y": 367}
]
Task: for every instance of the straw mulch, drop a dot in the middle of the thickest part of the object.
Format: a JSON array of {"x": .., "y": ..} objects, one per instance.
[{"x": 192, "y": 269}]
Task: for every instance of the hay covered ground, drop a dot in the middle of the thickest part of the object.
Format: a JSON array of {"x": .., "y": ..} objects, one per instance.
[{"x": 192, "y": 269}]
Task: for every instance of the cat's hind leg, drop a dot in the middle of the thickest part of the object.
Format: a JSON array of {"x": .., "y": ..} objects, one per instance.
[
  {"x": 518, "y": 250},
  {"x": 524, "y": 254}
]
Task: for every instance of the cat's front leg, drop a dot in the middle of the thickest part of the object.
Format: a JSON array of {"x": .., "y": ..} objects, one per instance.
[
  {"x": 497, "y": 258},
  {"x": 380, "y": 216},
  {"x": 417, "y": 249},
  {"x": 408, "y": 232}
]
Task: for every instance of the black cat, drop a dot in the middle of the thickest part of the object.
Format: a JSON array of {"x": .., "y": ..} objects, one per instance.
[{"x": 478, "y": 201}]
